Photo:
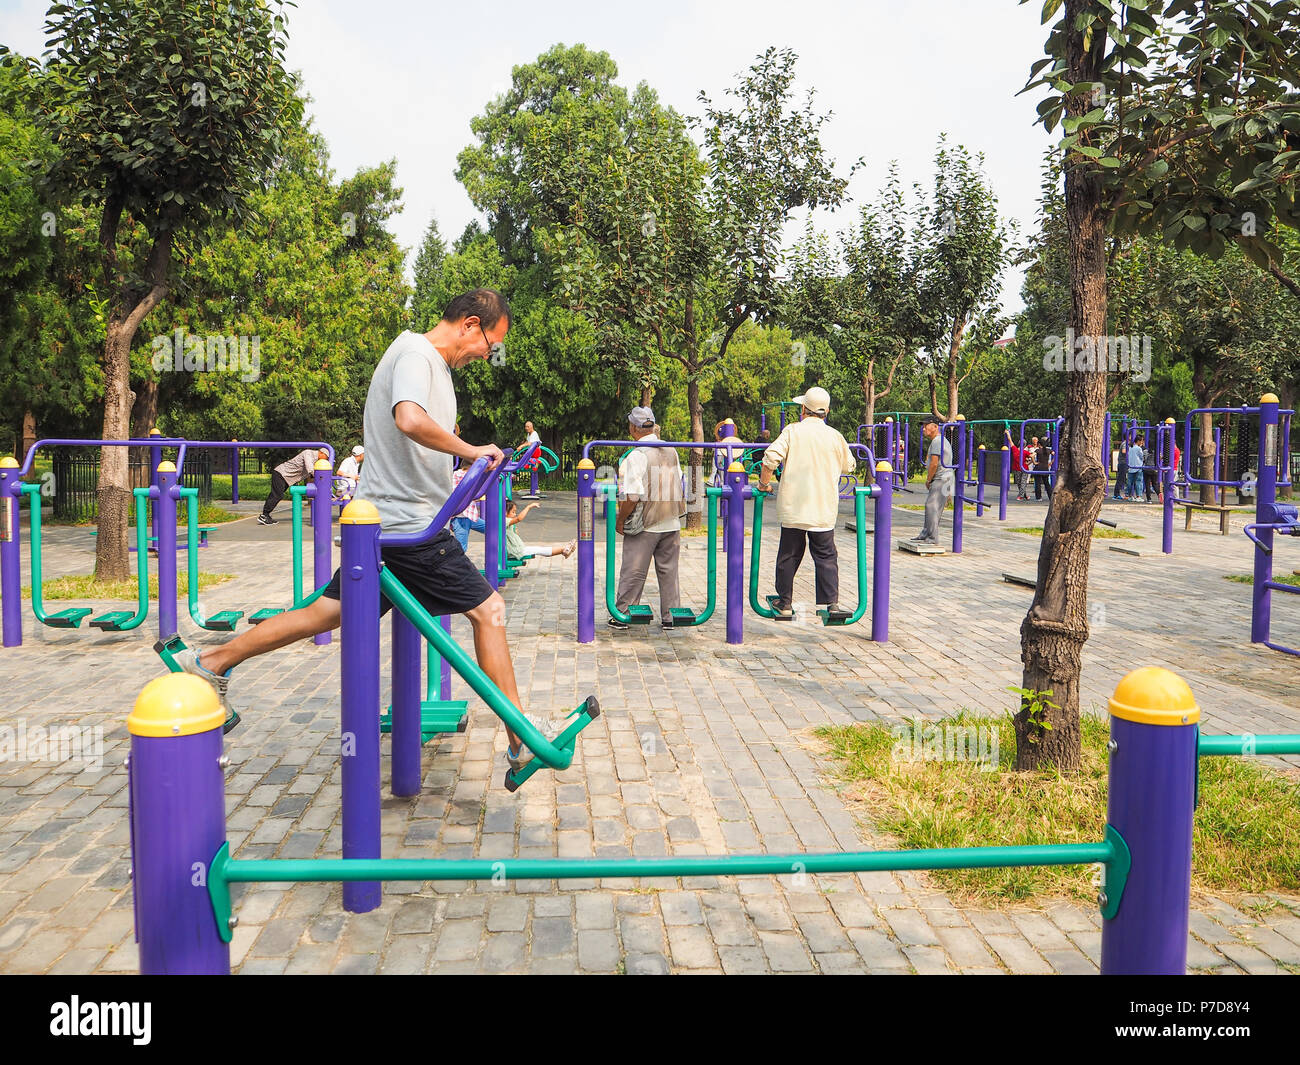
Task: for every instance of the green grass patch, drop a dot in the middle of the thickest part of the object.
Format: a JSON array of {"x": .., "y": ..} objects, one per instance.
[
  {"x": 254, "y": 487},
  {"x": 920, "y": 506},
  {"x": 1292, "y": 579},
  {"x": 1246, "y": 835},
  {"x": 84, "y": 586},
  {"x": 1099, "y": 532}
]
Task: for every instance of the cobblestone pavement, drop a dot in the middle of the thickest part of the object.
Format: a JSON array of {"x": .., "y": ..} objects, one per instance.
[{"x": 702, "y": 748}]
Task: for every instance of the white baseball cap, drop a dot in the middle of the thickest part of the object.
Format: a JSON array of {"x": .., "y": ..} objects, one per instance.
[
  {"x": 817, "y": 400},
  {"x": 358, "y": 451}
]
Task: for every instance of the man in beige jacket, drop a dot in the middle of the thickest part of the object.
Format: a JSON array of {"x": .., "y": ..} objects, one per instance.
[{"x": 814, "y": 456}]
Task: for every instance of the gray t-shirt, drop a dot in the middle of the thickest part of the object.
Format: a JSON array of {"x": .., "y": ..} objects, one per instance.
[
  {"x": 945, "y": 478},
  {"x": 406, "y": 481}
]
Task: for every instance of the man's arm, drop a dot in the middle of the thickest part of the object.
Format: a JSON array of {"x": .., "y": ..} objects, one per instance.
[
  {"x": 932, "y": 470},
  {"x": 414, "y": 421}
]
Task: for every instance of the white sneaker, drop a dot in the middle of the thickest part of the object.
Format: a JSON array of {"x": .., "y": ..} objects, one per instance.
[
  {"x": 188, "y": 660},
  {"x": 548, "y": 727}
]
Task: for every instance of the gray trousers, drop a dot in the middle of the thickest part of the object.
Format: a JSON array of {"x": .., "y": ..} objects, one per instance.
[
  {"x": 638, "y": 550},
  {"x": 936, "y": 498}
]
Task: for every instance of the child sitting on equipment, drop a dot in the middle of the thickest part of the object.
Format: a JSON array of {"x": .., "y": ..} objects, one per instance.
[{"x": 517, "y": 550}]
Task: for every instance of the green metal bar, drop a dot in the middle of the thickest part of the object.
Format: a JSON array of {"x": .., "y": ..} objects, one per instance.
[
  {"x": 711, "y": 494},
  {"x": 224, "y": 870},
  {"x": 547, "y": 753},
  {"x": 296, "y": 494},
  {"x": 611, "y": 550},
  {"x": 860, "y": 520},
  {"x": 755, "y": 550},
  {"x": 1248, "y": 745},
  {"x": 142, "y": 557},
  {"x": 191, "y": 499}
]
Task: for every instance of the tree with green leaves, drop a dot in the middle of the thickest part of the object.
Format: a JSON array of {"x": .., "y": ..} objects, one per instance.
[
  {"x": 167, "y": 116},
  {"x": 1177, "y": 123},
  {"x": 962, "y": 251}
]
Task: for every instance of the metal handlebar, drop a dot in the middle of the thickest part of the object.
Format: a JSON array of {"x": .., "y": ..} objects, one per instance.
[{"x": 470, "y": 487}]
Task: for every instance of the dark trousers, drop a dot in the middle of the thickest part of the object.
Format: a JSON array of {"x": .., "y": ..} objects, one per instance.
[
  {"x": 278, "y": 488},
  {"x": 825, "y": 560}
]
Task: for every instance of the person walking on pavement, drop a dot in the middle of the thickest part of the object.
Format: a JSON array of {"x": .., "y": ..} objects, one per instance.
[
  {"x": 814, "y": 457},
  {"x": 940, "y": 480},
  {"x": 649, "y": 519}
]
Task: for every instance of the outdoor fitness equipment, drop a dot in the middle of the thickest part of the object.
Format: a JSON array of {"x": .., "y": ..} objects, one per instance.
[{"x": 177, "y": 817}]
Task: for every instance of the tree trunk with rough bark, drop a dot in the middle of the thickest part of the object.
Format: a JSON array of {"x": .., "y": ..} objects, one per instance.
[{"x": 1056, "y": 627}]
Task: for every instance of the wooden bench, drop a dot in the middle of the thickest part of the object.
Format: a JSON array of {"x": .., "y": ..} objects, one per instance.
[{"x": 1216, "y": 508}]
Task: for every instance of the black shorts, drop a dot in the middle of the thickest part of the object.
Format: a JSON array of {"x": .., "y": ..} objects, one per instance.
[{"x": 438, "y": 573}]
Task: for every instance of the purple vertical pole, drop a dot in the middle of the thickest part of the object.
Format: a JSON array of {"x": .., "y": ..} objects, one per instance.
[
  {"x": 176, "y": 793},
  {"x": 492, "y": 518},
  {"x": 737, "y": 482},
  {"x": 1105, "y": 452},
  {"x": 981, "y": 461},
  {"x": 406, "y": 706},
  {"x": 234, "y": 474},
  {"x": 11, "y": 599},
  {"x": 532, "y": 481},
  {"x": 1167, "y": 480},
  {"x": 155, "y": 461},
  {"x": 586, "y": 551},
  {"x": 322, "y": 545},
  {"x": 958, "y": 507},
  {"x": 1219, "y": 494},
  {"x": 881, "y": 554},
  {"x": 1265, "y": 499},
  {"x": 164, "y": 512},
  {"x": 359, "y": 671},
  {"x": 1004, "y": 482},
  {"x": 1153, "y": 736}
]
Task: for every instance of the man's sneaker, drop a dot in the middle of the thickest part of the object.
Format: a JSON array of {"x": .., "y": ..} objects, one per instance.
[
  {"x": 266, "y": 519},
  {"x": 666, "y": 623},
  {"x": 188, "y": 660},
  {"x": 614, "y": 623},
  {"x": 548, "y": 727},
  {"x": 783, "y": 611}
]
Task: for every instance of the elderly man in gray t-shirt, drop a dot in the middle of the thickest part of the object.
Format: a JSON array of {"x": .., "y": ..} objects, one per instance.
[
  {"x": 409, "y": 420},
  {"x": 940, "y": 480}
]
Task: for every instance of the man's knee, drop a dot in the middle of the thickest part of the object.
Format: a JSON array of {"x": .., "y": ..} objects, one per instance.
[
  {"x": 325, "y": 612},
  {"x": 489, "y": 614}
]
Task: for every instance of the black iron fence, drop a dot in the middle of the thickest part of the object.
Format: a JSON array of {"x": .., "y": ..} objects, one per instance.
[{"x": 76, "y": 479}]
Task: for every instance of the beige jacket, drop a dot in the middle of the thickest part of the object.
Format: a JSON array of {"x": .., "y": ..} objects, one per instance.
[{"x": 814, "y": 456}]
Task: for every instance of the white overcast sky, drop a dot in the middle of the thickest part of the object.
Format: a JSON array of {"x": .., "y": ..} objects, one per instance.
[{"x": 401, "y": 79}]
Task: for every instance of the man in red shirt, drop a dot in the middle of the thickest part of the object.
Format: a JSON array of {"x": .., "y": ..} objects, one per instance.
[{"x": 1017, "y": 466}]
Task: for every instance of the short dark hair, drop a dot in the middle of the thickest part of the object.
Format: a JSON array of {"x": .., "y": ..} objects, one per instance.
[
  {"x": 931, "y": 420},
  {"x": 485, "y": 304}
]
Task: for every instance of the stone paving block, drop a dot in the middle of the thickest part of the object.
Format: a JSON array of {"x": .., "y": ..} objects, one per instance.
[
  {"x": 878, "y": 951},
  {"x": 1016, "y": 954},
  {"x": 691, "y": 947}
]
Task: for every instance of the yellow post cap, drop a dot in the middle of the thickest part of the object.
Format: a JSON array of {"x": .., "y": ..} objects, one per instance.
[
  {"x": 888, "y": 420},
  {"x": 736, "y": 467},
  {"x": 179, "y": 704},
  {"x": 1169, "y": 421},
  {"x": 8, "y": 463},
  {"x": 1004, "y": 447},
  {"x": 586, "y": 464},
  {"x": 1269, "y": 397},
  {"x": 166, "y": 467},
  {"x": 959, "y": 418},
  {"x": 155, "y": 431},
  {"x": 884, "y": 467},
  {"x": 1154, "y": 696},
  {"x": 359, "y": 512},
  {"x": 981, "y": 447},
  {"x": 323, "y": 464}
]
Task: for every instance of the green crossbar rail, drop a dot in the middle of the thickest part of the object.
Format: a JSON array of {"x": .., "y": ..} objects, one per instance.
[
  {"x": 1112, "y": 853},
  {"x": 1247, "y": 745}
]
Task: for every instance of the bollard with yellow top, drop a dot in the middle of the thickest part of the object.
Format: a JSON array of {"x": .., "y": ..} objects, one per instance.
[
  {"x": 178, "y": 822},
  {"x": 11, "y": 602},
  {"x": 1153, "y": 751},
  {"x": 321, "y": 517},
  {"x": 164, "y": 495}
]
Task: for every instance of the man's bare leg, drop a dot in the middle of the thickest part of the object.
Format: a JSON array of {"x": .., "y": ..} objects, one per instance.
[
  {"x": 279, "y": 631},
  {"x": 493, "y": 651}
]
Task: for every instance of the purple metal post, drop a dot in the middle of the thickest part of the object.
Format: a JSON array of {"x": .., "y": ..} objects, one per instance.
[
  {"x": 1261, "y": 612},
  {"x": 234, "y": 474},
  {"x": 492, "y": 517},
  {"x": 532, "y": 481},
  {"x": 959, "y": 497},
  {"x": 586, "y": 551},
  {"x": 322, "y": 544},
  {"x": 881, "y": 553},
  {"x": 155, "y": 460},
  {"x": 1153, "y": 730},
  {"x": 359, "y": 671},
  {"x": 1004, "y": 482},
  {"x": 1105, "y": 450},
  {"x": 981, "y": 461},
  {"x": 178, "y": 823},
  {"x": 1167, "y": 477},
  {"x": 165, "y": 519},
  {"x": 11, "y": 559},
  {"x": 406, "y": 706},
  {"x": 737, "y": 481}
]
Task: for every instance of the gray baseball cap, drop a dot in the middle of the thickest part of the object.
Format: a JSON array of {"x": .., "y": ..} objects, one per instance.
[{"x": 641, "y": 418}]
